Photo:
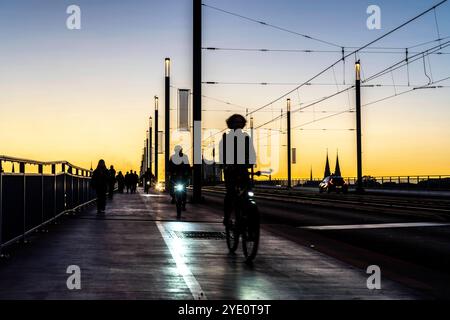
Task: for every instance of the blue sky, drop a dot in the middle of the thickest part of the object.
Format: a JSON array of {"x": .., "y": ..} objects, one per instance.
[{"x": 108, "y": 72}]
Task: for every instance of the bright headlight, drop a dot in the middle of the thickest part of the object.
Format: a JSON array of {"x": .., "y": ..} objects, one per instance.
[
  {"x": 179, "y": 187},
  {"x": 251, "y": 194}
]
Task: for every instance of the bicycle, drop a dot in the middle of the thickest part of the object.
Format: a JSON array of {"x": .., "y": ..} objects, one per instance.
[
  {"x": 179, "y": 189},
  {"x": 244, "y": 220}
]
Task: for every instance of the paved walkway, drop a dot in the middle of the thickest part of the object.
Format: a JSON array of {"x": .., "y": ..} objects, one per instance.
[{"x": 138, "y": 251}]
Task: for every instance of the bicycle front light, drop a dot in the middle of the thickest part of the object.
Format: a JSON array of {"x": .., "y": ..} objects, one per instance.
[
  {"x": 251, "y": 194},
  {"x": 179, "y": 187}
]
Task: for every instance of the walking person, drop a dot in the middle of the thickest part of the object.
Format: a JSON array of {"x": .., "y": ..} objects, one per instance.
[
  {"x": 127, "y": 181},
  {"x": 112, "y": 182},
  {"x": 99, "y": 182},
  {"x": 134, "y": 181},
  {"x": 120, "y": 182}
]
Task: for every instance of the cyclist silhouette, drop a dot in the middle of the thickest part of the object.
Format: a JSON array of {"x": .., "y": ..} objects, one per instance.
[
  {"x": 179, "y": 171},
  {"x": 237, "y": 154}
]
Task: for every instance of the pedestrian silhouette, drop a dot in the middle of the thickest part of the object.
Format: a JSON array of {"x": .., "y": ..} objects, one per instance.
[
  {"x": 112, "y": 182},
  {"x": 128, "y": 181},
  {"x": 134, "y": 181},
  {"x": 99, "y": 182},
  {"x": 120, "y": 182}
]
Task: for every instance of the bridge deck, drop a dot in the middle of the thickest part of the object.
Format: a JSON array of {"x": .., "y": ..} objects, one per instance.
[{"x": 137, "y": 251}]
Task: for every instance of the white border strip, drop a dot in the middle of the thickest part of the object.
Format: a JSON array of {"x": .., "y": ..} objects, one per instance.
[
  {"x": 377, "y": 226},
  {"x": 192, "y": 283}
]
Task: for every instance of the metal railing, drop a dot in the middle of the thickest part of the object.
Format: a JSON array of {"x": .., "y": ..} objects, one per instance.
[
  {"x": 418, "y": 182},
  {"x": 30, "y": 198}
]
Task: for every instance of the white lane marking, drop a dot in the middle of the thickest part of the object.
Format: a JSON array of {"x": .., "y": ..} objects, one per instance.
[
  {"x": 175, "y": 246},
  {"x": 150, "y": 195},
  {"x": 377, "y": 226}
]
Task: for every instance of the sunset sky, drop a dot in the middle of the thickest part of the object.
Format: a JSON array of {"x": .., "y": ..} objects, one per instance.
[{"x": 82, "y": 95}]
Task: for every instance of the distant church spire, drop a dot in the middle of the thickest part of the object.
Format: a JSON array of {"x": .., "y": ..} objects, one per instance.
[
  {"x": 337, "y": 170},
  {"x": 311, "y": 175},
  {"x": 327, "y": 167}
]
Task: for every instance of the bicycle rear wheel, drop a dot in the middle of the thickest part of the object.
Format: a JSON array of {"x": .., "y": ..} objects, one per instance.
[
  {"x": 232, "y": 231},
  {"x": 250, "y": 232}
]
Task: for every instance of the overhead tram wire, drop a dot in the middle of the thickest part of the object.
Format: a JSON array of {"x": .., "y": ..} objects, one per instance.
[
  {"x": 411, "y": 59},
  {"x": 374, "y": 50},
  {"x": 337, "y": 62},
  {"x": 216, "y": 99},
  {"x": 351, "y": 54},
  {"x": 271, "y": 25},
  {"x": 265, "y": 83},
  {"x": 378, "y": 85},
  {"x": 419, "y": 55},
  {"x": 308, "y": 106},
  {"x": 427, "y": 86},
  {"x": 389, "y": 69}
]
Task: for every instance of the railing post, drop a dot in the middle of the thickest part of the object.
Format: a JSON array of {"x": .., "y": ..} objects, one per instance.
[
  {"x": 54, "y": 188},
  {"x": 1, "y": 207},
  {"x": 22, "y": 171},
  {"x": 63, "y": 169},
  {"x": 83, "y": 186},
  {"x": 41, "y": 172},
  {"x": 71, "y": 183},
  {"x": 78, "y": 187}
]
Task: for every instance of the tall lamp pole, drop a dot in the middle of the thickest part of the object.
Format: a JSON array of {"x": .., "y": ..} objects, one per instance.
[
  {"x": 147, "y": 151},
  {"x": 156, "y": 137},
  {"x": 197, "y": 98},
  {"x": 359, "y": 186},
  {"x": 167, "y": 121},
  {"x": 252, "y": 141},
  {"x": 289, "y": 143},
  {"x": 150, "y": 144}
]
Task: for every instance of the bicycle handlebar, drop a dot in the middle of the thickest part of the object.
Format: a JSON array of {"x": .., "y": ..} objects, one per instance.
[{"x": 260, "y": 173}]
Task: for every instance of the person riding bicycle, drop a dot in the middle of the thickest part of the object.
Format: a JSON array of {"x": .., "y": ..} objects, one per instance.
[
  {"x": 236, "y": 157},
  {"x": 179, "y": 172}
]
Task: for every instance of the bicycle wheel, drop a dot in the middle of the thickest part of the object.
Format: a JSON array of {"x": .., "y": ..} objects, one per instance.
[
  {"x": 250, "y": 232},
  {"x": 232, "y": 230}
]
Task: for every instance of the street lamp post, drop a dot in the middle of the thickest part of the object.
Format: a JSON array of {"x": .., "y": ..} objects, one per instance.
[
  {"x": 150, "y": 144},
  {"x": 359, "y": 186},
  {"x": 167, "y": 122},
  {"x": 147, "y": 151},
  {"x": 289, "y": 142},
  {"x": 197, "y": 96},
  {"x": 252, "y": 140},
  {"x": 156, "y": 137}
]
